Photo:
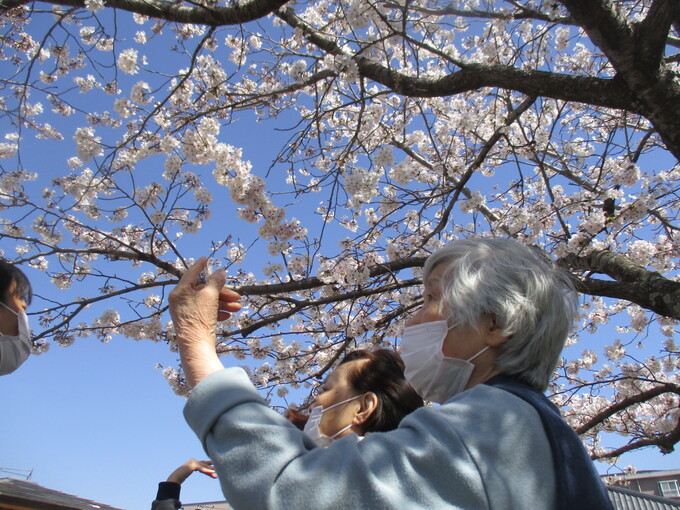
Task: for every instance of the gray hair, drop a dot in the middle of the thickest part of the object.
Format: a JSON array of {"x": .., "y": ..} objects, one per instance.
[{"x": 533, "y": 302}]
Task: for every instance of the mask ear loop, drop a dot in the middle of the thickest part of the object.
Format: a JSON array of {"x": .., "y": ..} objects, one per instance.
[
  {"x": 338, "y": 404},
  {"x": 340, "y": 431},
  {"x": 479, "y": 353}
]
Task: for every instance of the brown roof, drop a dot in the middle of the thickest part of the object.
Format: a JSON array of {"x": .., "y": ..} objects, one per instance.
[{"x": 14, "y": 491}]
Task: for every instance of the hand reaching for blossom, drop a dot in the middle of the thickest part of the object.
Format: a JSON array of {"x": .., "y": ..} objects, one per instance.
[
  {"x": 185, "y": 470},
  {"x": 195, "y": 308}
]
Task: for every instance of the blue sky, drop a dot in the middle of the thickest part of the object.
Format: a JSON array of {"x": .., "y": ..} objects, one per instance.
[{"x": 100, "y": 422}]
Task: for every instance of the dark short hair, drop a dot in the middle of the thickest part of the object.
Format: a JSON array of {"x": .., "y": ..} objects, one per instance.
[
  {"x": 383, "y": 375},
  {"x": 11, "y": 273}
]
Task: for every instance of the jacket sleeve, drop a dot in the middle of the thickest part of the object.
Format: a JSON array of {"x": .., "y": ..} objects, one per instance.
[
  {"x": 264, "y": 462},
  {"x": 167, "y": 497}
]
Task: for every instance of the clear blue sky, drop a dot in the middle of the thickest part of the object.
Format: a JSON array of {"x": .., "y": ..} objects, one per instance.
[{"x": 100, "y": 422}]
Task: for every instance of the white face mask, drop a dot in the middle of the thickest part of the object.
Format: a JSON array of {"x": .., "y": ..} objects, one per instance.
[
  {"x": 434, "y": 376},
  {"x": 15, "y": 349},
  {"x": 312, "y": 425}
]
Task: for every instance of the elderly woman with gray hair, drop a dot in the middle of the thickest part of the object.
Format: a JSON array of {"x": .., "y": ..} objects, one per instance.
[{"x": 494, "y": 320}]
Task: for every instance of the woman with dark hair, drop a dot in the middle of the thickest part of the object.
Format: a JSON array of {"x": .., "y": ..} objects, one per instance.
[
  {"x": 367, "y": 392},
  {"x": 15, "y": 336}
]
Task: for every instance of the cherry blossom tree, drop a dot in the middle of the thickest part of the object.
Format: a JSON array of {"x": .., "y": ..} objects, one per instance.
[{"x": 390, "y": 128}]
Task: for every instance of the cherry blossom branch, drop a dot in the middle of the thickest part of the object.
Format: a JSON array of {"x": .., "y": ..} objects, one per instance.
[
  {"x": 180, "y": 83},
  {"x": 464, "y": 190},
  {"x": 665, "y": 442},
  {"x": 247, "y": 101},
  {"x": 625, "y": 403},
  {"x": 521, "y": 12},
  {"x": 111, "y": 254},
  {"x": 298, "y": 305},
  {"x": 313, "y": 282},
  {"x": 85, "y": 303},
  {"x": 513, "y": 115}
]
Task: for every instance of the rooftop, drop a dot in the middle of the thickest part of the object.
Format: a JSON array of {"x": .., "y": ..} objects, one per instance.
[
  {"x": 31, "y": 495},
  {"x": 626, "y": 499}
]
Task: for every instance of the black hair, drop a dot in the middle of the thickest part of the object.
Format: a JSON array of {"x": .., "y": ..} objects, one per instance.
[
  {"x": 11, "y": 273},
  {"x": 383, "y": 375}
]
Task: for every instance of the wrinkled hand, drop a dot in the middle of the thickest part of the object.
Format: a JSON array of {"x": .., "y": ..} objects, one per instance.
[
  {"x": 195, "y": 308},
  {"x": 182, "y": 473}
]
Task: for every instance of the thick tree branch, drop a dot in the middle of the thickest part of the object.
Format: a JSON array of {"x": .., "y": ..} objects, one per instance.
[
  {"x": 181, "y": 13},
  {"x": 606, "y": 28},
  {"x": 655, "y": 87},
  {"x": 631, "y": 282},
  {"x": 651, "y": 34},
  {"x": 584, "y": 89}
]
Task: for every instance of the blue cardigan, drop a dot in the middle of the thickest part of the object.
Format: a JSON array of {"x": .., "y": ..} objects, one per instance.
[
  {"x": 484, "y": 449},
  {"x": 578, "y": 485}
]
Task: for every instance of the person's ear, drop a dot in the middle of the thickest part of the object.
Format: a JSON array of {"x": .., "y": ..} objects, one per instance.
[
  {"x": 494, "y": 334},
  {"x": 368, "y": 403}
]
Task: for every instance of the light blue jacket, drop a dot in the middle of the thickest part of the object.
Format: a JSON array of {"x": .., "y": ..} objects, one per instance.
[{"x": 483, "y": 449}]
